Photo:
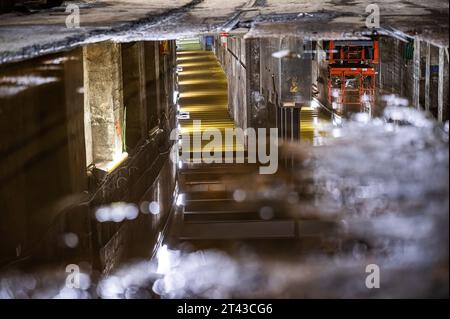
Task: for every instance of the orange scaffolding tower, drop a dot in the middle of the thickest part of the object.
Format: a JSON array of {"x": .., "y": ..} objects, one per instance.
[{"x": 351, "y": 75}]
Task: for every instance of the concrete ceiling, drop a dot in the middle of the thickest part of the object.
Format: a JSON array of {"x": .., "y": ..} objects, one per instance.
[{"x": 27, "y": 35}]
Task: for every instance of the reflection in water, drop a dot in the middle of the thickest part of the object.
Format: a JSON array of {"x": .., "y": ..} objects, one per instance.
[
  {"x": 116, "y": 212},
  {"x": 383, "y": 184},
  {"x": 390, "y": 209},
  {"x": 42, "y": 166}
]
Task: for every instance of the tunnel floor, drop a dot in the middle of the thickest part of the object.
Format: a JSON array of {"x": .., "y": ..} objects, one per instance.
[
  {"x": 233, "y": 235},
  {"x": 217, "y": 220},
  {"x": 334, "y": 206},
  {"x": 313, "y": 123},
  {"x": 204, "y": 96}
]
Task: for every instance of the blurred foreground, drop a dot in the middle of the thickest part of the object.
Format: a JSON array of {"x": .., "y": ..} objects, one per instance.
[{"x": 379, "y": 190}]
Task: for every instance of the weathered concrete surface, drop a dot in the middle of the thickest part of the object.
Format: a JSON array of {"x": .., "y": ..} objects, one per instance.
[
  {"x": 103, "y": 96},
  {"x": 130, "y": 20},
  {"x": 338, "y": 18},
  {"x": 24, "y": 36},
  {"x": 134, "y": 94},
  {"x": 45, "y": 189}
]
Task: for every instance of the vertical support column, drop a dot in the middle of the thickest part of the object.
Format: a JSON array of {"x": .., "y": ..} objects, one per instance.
[
  {"x": 296, "y": 74},
  {"x": 404, "y": 73},
  {"x": 158, "y": 80},
  {"x": 252, "y": 58},
  {"x": 173, "y": 93},
  {"x": 142, "y": 89},
  {"x": 394, "y": 78},
  {"x": 296, "y": 84},
  {"x": 170, "y": 71},
  {"x": 73, "y": 80},
  {"x": 441, "y": 85},
  {"x": 427, "y": 76},
  {"x": 380, "y": 68},
  {"x": 174, "y": 64},
  {"x": 322, "y": 73},
  {"x": 165, "y": 89},
  {"x": 134, "y": 95},
  {"x": 103, "y": 102},
  {"x": 416, "y": 74},
  {"x": 151, "y": 54}
]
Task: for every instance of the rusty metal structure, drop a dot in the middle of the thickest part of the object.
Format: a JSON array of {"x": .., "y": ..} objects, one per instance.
[{"x": 352, "y": 71}]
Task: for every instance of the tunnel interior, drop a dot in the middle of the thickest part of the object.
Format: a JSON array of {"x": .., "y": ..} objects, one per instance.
[{"x": 103, "y": 167}]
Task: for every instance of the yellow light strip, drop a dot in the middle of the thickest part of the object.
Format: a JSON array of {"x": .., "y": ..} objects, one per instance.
[{"x": 210, "y": 96}]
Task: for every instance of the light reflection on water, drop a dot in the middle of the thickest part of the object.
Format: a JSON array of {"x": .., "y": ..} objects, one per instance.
[
  {"x": 382, "y": 181},
  {"x": 385, "y": 184}
]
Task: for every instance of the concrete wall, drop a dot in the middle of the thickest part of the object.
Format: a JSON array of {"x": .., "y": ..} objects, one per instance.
[
  {"x": 152, "y": 83},
  {"x": 258, "y": 83},
  {"x": 42, "y": 162},
  {"x": 320, "y": 73},
  {"x": 249, "y": 70},
  {"x": 412, "y": 70},
  {"x": 153, "y": 175},
  {"x": 43, "y": 168},
  {"x": 233, "y": 58},
  {"x": 395, "y": 70},
  {"x": 103, "y": 101},
  {"x": 270, "y": 79}
]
